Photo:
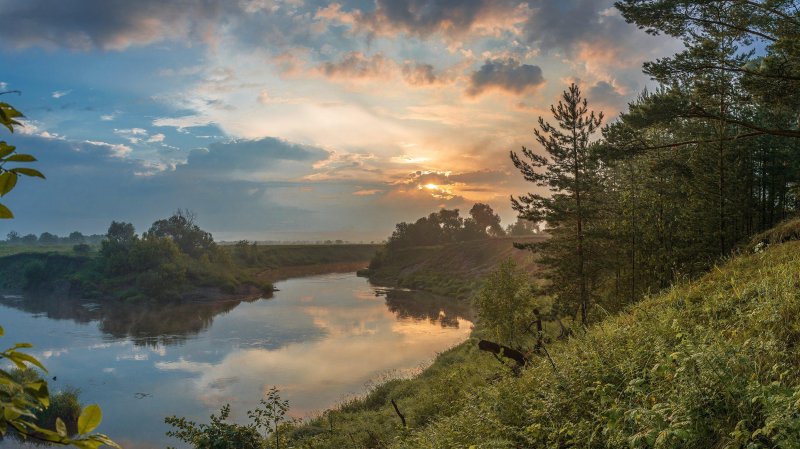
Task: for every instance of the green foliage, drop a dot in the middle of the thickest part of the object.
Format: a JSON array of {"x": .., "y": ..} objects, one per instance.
[
  {"x": 270, "y": 413},
  {"x": 8, "y": 153},
  {"x": 269, "y": 416},
  {"x": 506, "y": 305},
  {"x": 182, "y": 230},
  {"x": 23, "y": 400}
]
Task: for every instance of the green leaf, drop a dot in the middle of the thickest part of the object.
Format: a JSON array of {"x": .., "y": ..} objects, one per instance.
[
  {"x": 61, "y": 428},
  {"x": 5, "y": 212},
  {"x": 90, "y": 418},
  {"x": 27, "y": 172},
  {"x": 21, "y": 158},
  {"x": 7, "y": 182},
  {"x": 20, "y": 357},
  {"x": 6, "y": 149},
  {"x": 2, "y": 331}
]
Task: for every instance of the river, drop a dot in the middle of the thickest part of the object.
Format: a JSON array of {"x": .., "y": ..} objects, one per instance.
[{"x": 320, "y": 340}]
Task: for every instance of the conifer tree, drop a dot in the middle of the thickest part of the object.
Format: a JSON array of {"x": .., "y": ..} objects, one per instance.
[{"x": 571, "y": 173}]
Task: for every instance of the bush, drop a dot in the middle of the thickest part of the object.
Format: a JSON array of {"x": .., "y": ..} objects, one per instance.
[
  {"x": 35, "y": 274},
  {"x": 82, "y": 249}
]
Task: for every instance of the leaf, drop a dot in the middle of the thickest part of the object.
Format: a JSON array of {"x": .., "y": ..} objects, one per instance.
[
  {"x": 61, "y": 428},
  {"x": 27, "y": 172},
  {"x": 18, "y": 357},
  {"x": 90, "y": 418},
  {"x": 6, "y": 149},
  {"x": 7, "y": 182},
  {"x": 5, "y": 212},
  {"x": 21, "y": 158}
]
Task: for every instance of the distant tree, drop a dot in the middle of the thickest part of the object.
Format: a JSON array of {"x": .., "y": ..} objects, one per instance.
[
  {"x": 46, "y": 238},
  {"x": 29, "y": 239},
  {"x": 181, "y": 228},
  {"x": 121, "y": 233},
  {"x": 522, "y": 227},
  {"x": 76, "y": 237},
  {"x": 570, "y": 170},
  {"x": 13, "y": 237},
  {"x": 486, "y": 219}
]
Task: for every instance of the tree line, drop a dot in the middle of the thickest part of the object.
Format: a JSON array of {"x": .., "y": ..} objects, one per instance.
[
  {"x": 47, "y": 238},
  {"x": 689, "y": 171},
  {"x": 447, "y": 226}
]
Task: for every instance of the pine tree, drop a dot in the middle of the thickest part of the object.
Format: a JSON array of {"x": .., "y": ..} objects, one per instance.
[{"x": 571, "y": 173}]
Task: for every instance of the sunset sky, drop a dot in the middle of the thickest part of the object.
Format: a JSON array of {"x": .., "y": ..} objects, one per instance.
[{"x": 294, "y": 119}]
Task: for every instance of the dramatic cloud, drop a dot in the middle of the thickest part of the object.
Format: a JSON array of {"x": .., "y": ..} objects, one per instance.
[
  {"x": 506, "y": 75},
  {"x": 87, "y": 24},
  {"x": 423, "y": 18}
]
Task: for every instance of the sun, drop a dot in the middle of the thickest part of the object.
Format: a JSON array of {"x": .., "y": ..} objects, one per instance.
[{"x": 431, "y": 186}]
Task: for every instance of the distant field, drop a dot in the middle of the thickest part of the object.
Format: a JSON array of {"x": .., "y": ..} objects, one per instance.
[
  {"x": 300, "y": 255},
  {"x": 10, "y": 250}
]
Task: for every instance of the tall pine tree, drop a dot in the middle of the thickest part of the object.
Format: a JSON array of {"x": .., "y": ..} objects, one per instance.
[{"x": 570, "y": 172}]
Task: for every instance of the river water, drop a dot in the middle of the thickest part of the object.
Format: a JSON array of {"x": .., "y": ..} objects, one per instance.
[{"x": 320, "y": 340}]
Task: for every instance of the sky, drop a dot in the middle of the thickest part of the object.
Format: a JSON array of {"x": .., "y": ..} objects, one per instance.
[{"x": 295, "y": 119}]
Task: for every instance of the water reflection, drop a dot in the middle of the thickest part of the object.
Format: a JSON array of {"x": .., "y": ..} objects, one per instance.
[
  {"x": 144, "y": 323},
  {"x": 426, "y": 306},
  {"x": 319, "y": 340}
]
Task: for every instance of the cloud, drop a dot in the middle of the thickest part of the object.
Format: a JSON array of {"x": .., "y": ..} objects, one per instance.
[
  {"x": 357, "y": 65},
  {"x": 60, "y": 93},
  {"x": 507, "y": 75},
  {"x": 606, "y": 95},
  {"x": 251, "y": 155},
  {"x": 109, "y": 25},
  {"x": 419, "y": 74},
  {"x": 422, "y": 18},
  {"x": 156, "y": 138}
]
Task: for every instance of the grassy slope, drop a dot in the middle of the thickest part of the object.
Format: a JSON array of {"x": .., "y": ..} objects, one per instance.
[
  {"x": 451, "y": 270},
  {"x": 709, "y": 364}
]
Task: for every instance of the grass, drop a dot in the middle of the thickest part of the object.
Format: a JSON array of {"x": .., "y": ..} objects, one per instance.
[
  {"x": 713, "y": 363},
  {"x": 10, "y": 250}
]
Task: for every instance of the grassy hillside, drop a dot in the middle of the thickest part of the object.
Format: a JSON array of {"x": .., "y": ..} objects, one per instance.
[
  {"x": 452, "y": 270},
  {"x": 713, "y": 363}
]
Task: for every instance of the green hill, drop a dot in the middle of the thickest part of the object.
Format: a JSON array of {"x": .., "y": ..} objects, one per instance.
[
  {"x": 454, "y": 269},
  {"x": 712, "y": 363}
]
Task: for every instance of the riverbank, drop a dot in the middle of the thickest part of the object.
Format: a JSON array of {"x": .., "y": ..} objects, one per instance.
[
  {"x": 235, "y": 273},
  {"x": 455, "y": 270}
]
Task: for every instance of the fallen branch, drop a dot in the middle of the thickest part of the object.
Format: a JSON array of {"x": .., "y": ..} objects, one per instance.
[{"x": 504, "y": 351}]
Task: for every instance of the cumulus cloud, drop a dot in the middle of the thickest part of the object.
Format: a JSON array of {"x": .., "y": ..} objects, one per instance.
[{"x": 506, "y": 75}]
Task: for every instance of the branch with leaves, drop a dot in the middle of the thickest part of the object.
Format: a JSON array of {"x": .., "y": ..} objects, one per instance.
[{"x": 8, "y": 153}]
